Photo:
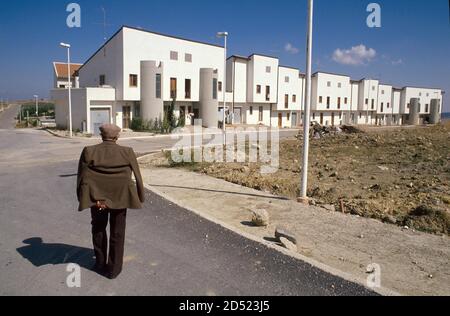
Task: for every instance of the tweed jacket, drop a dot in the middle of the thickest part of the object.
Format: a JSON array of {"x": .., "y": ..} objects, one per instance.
[{"x": 105, "y": 174}]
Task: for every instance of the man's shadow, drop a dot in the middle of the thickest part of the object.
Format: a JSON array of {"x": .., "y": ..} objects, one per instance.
[{"x": 42, "y": 254}]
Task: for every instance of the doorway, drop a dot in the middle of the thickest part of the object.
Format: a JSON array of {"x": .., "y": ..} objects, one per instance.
[
  {"x": 182, "y": 117},
  {"x": 294, "y": 121},
  {"x": 280, "y": 120},
  {"x": 126, "y": 121}
]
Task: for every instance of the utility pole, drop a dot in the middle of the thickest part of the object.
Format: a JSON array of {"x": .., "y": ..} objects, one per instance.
[
  {"x": 224, "y": 35},
  {"x": 368, "y": 101},
  {"x": 69, "y": 86},
  {"x": 307, "y": 120}
]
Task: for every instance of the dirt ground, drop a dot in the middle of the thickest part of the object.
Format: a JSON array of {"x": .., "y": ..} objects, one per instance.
[{"x": 396, "y": 175}]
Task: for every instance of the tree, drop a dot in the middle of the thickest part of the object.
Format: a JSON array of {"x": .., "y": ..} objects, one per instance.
[{"x": 170, "y": 121}]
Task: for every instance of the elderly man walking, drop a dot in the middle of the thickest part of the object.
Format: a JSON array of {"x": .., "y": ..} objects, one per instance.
[{"x": 105, "y": 186}]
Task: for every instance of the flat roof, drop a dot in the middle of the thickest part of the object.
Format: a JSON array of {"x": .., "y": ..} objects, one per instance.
[
  {"x": 329, "y": 73},
  {"x": 262, "y": 55},
  {"x": 238, "y": 57},
  {"x": 289, "y": 67}
]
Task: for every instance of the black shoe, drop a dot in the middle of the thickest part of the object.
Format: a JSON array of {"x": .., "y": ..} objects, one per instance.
[{"x": 112, "y": 275}]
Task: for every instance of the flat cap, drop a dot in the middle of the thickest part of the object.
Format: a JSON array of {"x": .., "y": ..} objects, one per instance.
[{"x": 110, "y": 131}]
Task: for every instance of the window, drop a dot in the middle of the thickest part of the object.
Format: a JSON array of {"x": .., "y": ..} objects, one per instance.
[
  {"x": 428, "y": 94},
  {"x": 420, "y": 94},
  {"x": 102, "y": 80},
  {"x": 373, "y": 88},
  {"x": 408, "y": 105},
  {"x": 314, "y": 116},
  {"x": 267, "y": 93},
  {"x": 382, "y": 107},
  {"x": 328, "y": 102},
  {"x": 329, "y": 84},
  {"x": 188, "y": 58},
  {"x": 251, "y": 110},
  {"x": 286, "y": 101},
  {"x": 173, "y": 88},
  {"x": 215, "y": 89},
  {"x": 220, "y": 86},
  {"x": 258, "y": 89},
  {"x": 268, "y": 69},
  {"x": 261, "y": 114},
  {"x": 382, "y": 91},
  {"x": 173, "y": 55},
  {"x": 288, "y": 116},
  {"x": 339, "y": 103},
  {"x": 286, "y": 79},
  {"x": 367, "y": 101},
  {"x": 158, "y": 86},
  {"x": 137, "y": 109},
  {"x": 346, "y": 101},
  {"x": 373, "y": 104},
  {"x": 339, "y": 85},
  {"x": 388, "y": 105},
  {"x": 426, "y": 108},
  {"x": 133, "y": 80},
  {"x": 320, "y": 100},
  {"x": 187, "y": 88},
  {"x": 294, "y": 98}
]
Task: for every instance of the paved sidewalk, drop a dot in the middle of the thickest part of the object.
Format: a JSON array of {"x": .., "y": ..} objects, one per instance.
[{"x": 412, "y": 263}]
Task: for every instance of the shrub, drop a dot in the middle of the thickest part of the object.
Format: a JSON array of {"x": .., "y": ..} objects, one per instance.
[{"x": 137, "y": 124}]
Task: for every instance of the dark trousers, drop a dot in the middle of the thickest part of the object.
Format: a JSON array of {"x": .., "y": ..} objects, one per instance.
[{"x": 117, "y": 221}]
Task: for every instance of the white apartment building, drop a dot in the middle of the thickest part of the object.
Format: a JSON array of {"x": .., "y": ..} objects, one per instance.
[
  {"x": 331, "y": 98},
  {"x": 146, "y": 71},
  {"x": 137, "y": 73}
]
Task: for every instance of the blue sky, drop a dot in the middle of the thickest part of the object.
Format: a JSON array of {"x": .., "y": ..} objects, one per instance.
[{"x": 411, "y": 48}]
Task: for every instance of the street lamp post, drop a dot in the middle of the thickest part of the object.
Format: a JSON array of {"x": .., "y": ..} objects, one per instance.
[
  {"x": 307, "y": 118},
  {"x": 224, "y": 35},
  {"x": 69, "y": 85},
  {"x": 36, "y": 97}
]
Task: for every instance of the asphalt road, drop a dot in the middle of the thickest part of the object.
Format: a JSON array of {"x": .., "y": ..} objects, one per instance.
[{"x": 169, "y": 251}]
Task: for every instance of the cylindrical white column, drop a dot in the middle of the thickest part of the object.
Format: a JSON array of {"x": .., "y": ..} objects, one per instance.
[
  {"x": 414, "y": 111},
  {"x": 209, "y": 103},
  {"x": 152, "y": 101}
]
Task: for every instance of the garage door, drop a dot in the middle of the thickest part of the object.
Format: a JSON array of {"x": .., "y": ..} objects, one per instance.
[{"x": 98, "y": 118}]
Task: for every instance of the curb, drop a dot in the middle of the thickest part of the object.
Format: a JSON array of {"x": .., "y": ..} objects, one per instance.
[
  {"x": 54, "y": 134},
  {"x": 155, "y": 136},
  {"x": 328, "y": 269}
]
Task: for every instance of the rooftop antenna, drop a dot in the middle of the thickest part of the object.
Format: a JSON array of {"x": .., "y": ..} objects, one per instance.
[{"x": 104, "y": 24}]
